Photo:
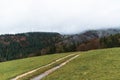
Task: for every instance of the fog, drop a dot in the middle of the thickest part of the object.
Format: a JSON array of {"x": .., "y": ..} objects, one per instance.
[{"x": 63, "y": 16}]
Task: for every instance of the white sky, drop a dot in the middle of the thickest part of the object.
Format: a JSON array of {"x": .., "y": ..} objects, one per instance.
[{"x": 64, "y": 16}]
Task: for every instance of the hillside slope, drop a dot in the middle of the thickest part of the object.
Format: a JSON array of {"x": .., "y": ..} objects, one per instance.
[
  {"x": 11, "y": 69},
  {"x": 92, "y": 65}
]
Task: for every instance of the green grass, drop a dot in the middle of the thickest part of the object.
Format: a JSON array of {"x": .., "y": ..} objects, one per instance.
[
  {"x": 11, "y": 69},
  {"x": 92, "y": 65}
]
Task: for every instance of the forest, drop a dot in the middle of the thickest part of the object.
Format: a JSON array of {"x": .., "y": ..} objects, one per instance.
[{"x": 40, "y": 43}]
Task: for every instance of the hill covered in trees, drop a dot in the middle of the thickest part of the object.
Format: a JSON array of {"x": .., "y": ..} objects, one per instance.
[
  {"x": 25, "y": 44},
  {"x": 40, "y": 43}
]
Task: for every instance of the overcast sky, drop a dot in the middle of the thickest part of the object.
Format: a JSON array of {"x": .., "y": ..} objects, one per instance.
[{"x": 64, "y": 16}]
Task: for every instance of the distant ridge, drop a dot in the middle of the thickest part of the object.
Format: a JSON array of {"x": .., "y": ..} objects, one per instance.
[{"x": 15, "y": 46}]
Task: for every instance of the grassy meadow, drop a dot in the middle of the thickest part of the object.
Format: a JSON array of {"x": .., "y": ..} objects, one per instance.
[
  {"x": 92, "y": 65},
  {"x": 13, "y": 68}
]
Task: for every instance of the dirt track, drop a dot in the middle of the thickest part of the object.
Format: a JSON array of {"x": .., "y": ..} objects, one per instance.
[
  {"x": 27, "y": 73},
  {"x": 53, "y": 69}
]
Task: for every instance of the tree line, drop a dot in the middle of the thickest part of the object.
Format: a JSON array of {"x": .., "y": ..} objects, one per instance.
[{"x": 36, "y": 43}]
